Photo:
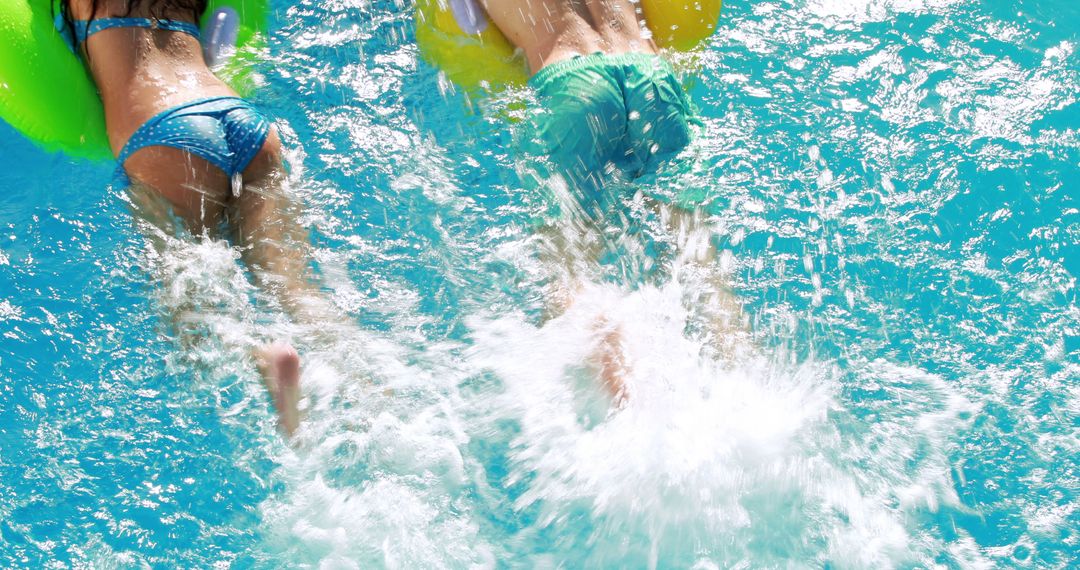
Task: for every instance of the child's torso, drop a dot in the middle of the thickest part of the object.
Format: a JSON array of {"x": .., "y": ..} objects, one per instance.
[
  {"x": 140, "y": 71},
  {"x": 554, "y": 30}
]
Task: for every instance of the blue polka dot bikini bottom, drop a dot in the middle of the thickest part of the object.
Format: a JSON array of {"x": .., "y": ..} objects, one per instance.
[{"x": 225, "y": 131}]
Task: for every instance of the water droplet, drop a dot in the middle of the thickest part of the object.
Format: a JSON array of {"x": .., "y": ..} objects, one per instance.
[{"x": 237, "y": 184}]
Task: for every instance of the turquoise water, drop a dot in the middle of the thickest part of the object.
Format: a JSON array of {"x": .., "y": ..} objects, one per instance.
[{"x": 893, "y": 186}]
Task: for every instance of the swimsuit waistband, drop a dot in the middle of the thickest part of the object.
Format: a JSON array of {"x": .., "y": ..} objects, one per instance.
[{"x": 597, "y": 58}]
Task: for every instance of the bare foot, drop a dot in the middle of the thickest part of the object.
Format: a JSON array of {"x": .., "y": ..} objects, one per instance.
[
  {"x": 279, "y": 365},
  {"x": 613, "y": 370}
]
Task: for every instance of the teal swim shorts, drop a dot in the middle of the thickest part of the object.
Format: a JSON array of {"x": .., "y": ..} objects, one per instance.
[{"x": 626, "y": 110}]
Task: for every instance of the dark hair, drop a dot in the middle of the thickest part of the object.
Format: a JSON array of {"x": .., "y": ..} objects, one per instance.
[{"x": 159, "y": 10}]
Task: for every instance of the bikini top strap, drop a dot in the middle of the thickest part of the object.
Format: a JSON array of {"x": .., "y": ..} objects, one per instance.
[{"x": 84, "y": 30}]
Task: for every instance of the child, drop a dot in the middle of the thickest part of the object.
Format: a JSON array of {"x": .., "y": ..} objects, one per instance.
[
  {"x": 607, "y": 98},
  {"x": 184, "y": 136}
]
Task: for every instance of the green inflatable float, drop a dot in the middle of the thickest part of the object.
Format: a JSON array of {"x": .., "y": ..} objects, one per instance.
[{"x": 47, "y": 94}]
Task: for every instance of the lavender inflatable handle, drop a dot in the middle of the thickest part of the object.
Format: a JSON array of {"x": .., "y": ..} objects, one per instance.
[
  {"x": 219, "y": 37},
  {"x": 470, "y": 17}
]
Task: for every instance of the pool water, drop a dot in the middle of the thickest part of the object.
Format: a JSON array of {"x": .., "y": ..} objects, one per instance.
[{"x": 893, "y": 188}]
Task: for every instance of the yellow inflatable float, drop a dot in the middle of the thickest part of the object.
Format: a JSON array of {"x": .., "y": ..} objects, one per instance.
[{"x": 454, "y": 36}]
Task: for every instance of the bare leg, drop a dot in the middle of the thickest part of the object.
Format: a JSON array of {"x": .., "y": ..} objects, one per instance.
[
  {"x": 726, "y": 330},
  {"x": 276, "y": 249},
  {"x": 609, "y": 357},
  {"x": 279, "y": 365},
  {"x": 563, "y": 247},
  {"x": 274, "y": 244}
]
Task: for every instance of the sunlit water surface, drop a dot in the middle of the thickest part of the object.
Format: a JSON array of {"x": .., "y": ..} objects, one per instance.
[{"x": 893, "y": 189}]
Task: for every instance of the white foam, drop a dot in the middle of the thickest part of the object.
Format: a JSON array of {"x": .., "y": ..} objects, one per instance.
[{"x": 740, "y": 459}]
